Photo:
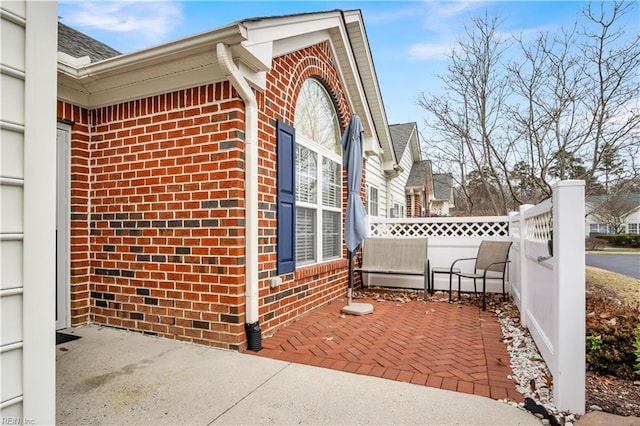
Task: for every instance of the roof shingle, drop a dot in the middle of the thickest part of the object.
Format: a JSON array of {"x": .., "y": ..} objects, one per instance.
[{"x": 76, "y": 44}]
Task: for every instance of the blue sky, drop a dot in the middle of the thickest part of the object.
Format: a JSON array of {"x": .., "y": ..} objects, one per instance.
[{"x": 409, "y": 40}]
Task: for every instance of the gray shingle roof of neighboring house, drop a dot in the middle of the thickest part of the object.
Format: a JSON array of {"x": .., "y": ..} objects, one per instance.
[
  {"x": 442, "y": 184},
  {"x": 400, "y": 135},
  {"x": 418, "y": 174},
  {"x": 76, "y": 44},
  {"x": 595, "y": 200}
]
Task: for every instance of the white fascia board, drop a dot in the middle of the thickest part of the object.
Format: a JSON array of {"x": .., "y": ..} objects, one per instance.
[
  {"x": 415, "y": 145},
  {"x": 292, "y": 33},
  {"x": 281, "y": 28},
  {"x": 188, "y": 46},
  {"x": 172, "y": 66},
  {"x": 330, "y": 29},
  {"x": 374, "y": 99},
  {"x": 73, "y": 62}
]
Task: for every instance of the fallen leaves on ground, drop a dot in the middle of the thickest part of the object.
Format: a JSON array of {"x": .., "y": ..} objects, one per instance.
[{"x": 613, "y": 395}]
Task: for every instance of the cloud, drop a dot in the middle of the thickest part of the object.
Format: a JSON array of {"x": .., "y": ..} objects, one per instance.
[
  {"x": 448, "y": 16},
  {"x": 442, "y": 22},
  {"x": 390, "y": 14},
  {"x": 147, "y": 21},
  {"x": 428, "y": 51}
]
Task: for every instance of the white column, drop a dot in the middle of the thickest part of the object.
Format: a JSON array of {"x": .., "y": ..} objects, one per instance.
[
  {"x": 39, "y": 268},
  {"x": 569, "y": 277}
]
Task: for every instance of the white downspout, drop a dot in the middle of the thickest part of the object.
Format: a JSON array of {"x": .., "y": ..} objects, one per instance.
[
  {"x": 388, "y": 197},
  {"x": 251, "y": 180}
]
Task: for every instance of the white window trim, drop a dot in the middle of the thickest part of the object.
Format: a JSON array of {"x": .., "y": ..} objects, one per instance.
[
  {"x": 370, "y": 203},
  {"x": 318, "y": 207}
]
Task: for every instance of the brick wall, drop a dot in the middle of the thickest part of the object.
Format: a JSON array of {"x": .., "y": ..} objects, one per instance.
[
  {"x": 158, "y": 210},
  {"x": 415, "y": 209},
  {"x": 79, "y": 209},
  {"x": 312, "y": 286}
]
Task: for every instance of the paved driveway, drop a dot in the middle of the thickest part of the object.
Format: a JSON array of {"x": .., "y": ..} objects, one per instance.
[{"x": 626, "y": 264}]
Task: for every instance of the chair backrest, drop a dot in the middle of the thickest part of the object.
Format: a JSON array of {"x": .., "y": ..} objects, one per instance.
[
  {"x": 493, "y": 251},
  {"x": 396, "y": 254}
]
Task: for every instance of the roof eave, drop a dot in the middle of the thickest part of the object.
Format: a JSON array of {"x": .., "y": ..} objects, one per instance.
[
  {"x": 357, "y": 35},
  {"x": 145, "y": 72}
]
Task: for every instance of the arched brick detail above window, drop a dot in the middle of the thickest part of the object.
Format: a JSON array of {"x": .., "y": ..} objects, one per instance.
[{"x": 312, "y": 62}]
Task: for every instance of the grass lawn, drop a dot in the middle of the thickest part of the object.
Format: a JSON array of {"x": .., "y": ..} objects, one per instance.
[{"x": 626, "y": 288}]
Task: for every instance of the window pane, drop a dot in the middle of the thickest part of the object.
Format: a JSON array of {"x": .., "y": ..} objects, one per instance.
[
  {"x": 306, "y": 175},
  {"x": 316, "y": 117},
  {"x": 373, "y": 200},
  {"x": 330, "y": 234},
  {"x": 305, "y": 235},
  {"x": 330, "y": 183}
]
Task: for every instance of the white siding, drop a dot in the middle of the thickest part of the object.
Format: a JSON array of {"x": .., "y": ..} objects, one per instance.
[
  {"x": 633, "y": 217},
  {"x": 375, "y": 177},
  {"x": 399, "y": 183},
  {"x": 27, "y": 207}
]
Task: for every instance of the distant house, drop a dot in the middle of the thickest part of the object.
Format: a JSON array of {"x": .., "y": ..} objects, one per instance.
[
  {"x": 406, "y": 147},
  {"x": 442, "y": 201},
  {"x": 612, "y": 214},
  {"x": 201, "y": 188},
  {"x": 412, "y": 187},
  {"x": 419, "y": 189}
]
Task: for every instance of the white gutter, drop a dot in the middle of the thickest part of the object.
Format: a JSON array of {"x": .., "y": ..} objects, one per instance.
[{"x": 251, "y": 180}]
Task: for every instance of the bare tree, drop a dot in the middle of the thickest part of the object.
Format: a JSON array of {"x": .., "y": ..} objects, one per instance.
[
  {"x": 468, "y": 119},
  {"x": 545, "y": 118},
  {"x": 567, "y": 108},
  {"x": 612, "y": 82},
  {"x": 614, "y": 209}
]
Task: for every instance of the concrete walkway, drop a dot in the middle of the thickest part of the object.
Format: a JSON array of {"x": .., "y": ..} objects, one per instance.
[{"x": 117, "y": 377}]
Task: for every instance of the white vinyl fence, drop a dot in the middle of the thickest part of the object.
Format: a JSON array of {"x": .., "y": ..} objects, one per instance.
[
  {"x": 545, "y": 274},
  {"x": 549, "y": 289}
]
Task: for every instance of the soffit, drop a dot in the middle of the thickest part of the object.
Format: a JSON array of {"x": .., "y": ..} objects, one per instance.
[
  {"x": 192, "y": 61},
  {"x": 179, "y": 64}
]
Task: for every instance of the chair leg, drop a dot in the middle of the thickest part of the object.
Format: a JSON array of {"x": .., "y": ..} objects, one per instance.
[
  {"x": 426, "y": 285},
  {"x": 450, "y": 285},
  {"x": 459, "y": 295},
  {"x": 504, "y": 294},
  {"x": 484, "y": 288},
  {"x": 475, "y": 290}
]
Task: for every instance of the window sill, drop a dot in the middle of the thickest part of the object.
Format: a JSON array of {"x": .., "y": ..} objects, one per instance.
[{"x": 320, "y": 268}]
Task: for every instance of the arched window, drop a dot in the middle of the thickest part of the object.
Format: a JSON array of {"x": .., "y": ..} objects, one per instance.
[{"x": 318, "y": 176}]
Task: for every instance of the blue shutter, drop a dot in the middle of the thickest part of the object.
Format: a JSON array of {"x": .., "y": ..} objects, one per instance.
[{"x": 286, "y": 140}]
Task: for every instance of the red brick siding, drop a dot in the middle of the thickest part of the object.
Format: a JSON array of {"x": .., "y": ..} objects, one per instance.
[
  {"x": 79, "y": 209},
  {"x": 414, "y": 204},
  {"x": 158, "y": 226},
  {"x": 309, "y": 287}
]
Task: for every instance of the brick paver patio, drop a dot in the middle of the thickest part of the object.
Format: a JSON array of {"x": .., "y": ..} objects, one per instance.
[{"x": 449, "y": 346}]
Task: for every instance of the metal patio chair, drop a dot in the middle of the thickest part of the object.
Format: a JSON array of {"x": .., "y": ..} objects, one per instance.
[{"x": 490, "y": 264}]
